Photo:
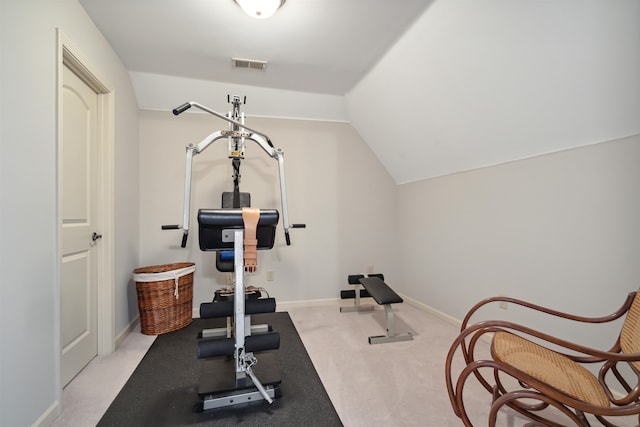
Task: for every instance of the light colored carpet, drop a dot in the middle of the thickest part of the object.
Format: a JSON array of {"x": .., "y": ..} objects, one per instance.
[
  {"x": 89, "y": 395},
  {"x": 392, "y": 384}
]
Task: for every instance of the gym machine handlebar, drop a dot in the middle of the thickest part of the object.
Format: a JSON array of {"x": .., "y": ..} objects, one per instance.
[
  {"x": 236, "y": 135},
  {"x": 185, "y": 235},
  {"x": 286, "y": 232},
  {"x": 184, "y": 107},
  {"x": 171, "y": 227},
  {"x": 181, "y": 109}
]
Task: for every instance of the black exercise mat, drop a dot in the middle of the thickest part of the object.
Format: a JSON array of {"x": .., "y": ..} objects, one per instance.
[{"x": 163, "y": 389}]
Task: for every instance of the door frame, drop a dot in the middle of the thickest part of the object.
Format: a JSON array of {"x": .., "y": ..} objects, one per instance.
[{"x": 68, "y": 55}]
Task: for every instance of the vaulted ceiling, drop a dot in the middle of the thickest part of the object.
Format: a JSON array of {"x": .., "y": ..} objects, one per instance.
[
  {"x": 434, "y": 87},
  {"x": 322, "y": 46}
]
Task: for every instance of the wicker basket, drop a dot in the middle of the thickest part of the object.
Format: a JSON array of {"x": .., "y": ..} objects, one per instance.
[{"x": 165, "y": 293}]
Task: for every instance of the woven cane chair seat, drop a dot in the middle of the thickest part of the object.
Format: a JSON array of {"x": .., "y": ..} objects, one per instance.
[
  {"x": 549, "y": 380},
  {"x": 552, "y": 368}
]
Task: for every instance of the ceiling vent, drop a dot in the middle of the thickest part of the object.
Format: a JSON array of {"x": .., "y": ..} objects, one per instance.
[{"x": 249, "y": 64}]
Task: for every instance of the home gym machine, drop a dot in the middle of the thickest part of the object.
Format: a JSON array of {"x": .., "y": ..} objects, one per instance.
[{"x": 230, "y": 371}]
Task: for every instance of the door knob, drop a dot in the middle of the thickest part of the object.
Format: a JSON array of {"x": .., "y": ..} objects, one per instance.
[{"x": 96, "y": 236}]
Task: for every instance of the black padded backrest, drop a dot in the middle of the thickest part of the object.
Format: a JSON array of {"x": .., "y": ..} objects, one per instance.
[
  {"x": 227, "y": 199},
  {"x": 217, "y": 225}
]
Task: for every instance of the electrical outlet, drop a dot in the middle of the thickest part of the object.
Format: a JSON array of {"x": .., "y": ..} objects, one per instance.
[
  {"x": 503, "y": 304},
  {"x": 370, "y": 269},
  {"x": 229, "y": 279},
  {"x": 270, "y": 276}
]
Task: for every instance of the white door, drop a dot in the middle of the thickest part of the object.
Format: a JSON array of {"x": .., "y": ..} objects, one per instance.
[{"x": 79, "y": 197}]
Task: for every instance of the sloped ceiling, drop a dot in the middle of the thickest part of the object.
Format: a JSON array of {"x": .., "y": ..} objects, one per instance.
[
  {"x": 475, "y": 83},
  {"x": 433, "y": 87},
  {"x": 316, "y": 46}
]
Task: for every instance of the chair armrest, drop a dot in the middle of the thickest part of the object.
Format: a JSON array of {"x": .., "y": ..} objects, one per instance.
[
  {"x": 586, "y": 354},
  {"x": 585, "y": 319}
]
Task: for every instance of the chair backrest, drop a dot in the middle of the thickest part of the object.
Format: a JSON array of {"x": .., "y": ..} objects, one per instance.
[{"x": 630, "y": 335}]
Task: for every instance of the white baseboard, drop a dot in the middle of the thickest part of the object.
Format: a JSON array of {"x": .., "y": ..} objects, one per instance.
[
  {"x": 49, "y": 416},
  {"x": 449, "y": 319},
  {"x": 421, "y": 306},
  {"x": 336, "y": 302},
  {"x": 287, "y": 305},
  {"x": 125, "y": 333}
]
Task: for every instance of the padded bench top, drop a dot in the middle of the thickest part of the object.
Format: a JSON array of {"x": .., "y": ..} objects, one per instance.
[
  {"x": 215, "y": 226},
  {"x": 232, "y": 218},
  {"x": 380, "y": 291}
]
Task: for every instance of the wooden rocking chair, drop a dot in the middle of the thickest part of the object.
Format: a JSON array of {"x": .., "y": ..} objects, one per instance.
[{"x": 547, "y": 371}]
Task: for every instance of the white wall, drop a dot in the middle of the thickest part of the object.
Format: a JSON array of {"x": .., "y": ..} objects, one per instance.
[
  {"x": 475, "y": 83},
  {"x": 335, "y": 185},
  {"x": 161, "y": 92},
  {"x": 561, "y": 230},
  {"x": 29, "y": 369}
]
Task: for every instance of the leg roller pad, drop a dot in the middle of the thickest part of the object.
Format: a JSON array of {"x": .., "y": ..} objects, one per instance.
[
  {"x": 216, "y": 309},
  {"x": 216, "y": 347},
  {"x": 350, "y": 293},
  {"x": 226, "y": 346},
  {"x": 356, "y": 293}
]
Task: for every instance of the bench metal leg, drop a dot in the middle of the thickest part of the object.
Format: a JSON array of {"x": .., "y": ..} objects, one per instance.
[
  {"x": 349, "y": 309},
  {"x": 237, "y": 397},
  {"x": 391, "y": 336},
  {"x": 356, "y": 303}
]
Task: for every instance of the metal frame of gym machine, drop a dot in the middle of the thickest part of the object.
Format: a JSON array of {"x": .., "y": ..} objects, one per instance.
[{"x": 236, "y": 136}]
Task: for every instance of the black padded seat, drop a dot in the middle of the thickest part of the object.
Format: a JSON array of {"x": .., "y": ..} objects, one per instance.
[
  {"x": 385, "y": 296},
  {"x": 380, "y": 291}
]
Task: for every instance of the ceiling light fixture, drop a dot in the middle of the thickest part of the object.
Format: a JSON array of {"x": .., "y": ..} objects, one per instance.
[{"x": 260, "y": 9}]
